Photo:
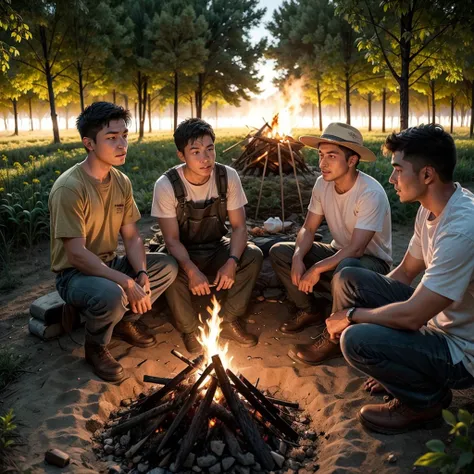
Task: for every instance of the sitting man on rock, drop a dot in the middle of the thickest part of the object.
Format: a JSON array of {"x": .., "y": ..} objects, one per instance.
[
  {"x": 416, "y": 343},
  {"x": 357, "y": 212},
  {"x": 90, "y": 205},
  {"x": 192, "y": 202}
]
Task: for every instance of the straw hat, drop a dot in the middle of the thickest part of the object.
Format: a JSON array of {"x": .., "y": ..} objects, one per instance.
[{"x": 341, "y": 134}]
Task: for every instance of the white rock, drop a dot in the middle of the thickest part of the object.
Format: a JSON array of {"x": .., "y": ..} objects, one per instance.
[
  {"x": 391, "y": 458},
  {"x": 278, "y": 458},
  {"x": 125, "y": 440},
  {"x": 196, "y": 469},
  {"x": 108, "y": 441},
  {"x": 217, "y": 447},
  {"x": 216, "y": 469},
  {"x": 142, "y": 468}
]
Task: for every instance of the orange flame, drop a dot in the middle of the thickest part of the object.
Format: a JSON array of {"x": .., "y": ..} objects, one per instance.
[{"x": 209, "y": 338}]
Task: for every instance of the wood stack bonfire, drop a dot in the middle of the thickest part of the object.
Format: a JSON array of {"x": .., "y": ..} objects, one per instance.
[
  {"x": 207, "y": 419},
  {"x": 269, "y": 150}
]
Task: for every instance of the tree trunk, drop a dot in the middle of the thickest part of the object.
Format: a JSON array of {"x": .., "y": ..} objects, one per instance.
[
  {"x": 340, "y": 111},
  {"x": 149, "y": 113},
  {"x": 136, "y": 117},
  {"x": 405, "y": 50},
  {"x": 49, "y": 81},
  {"x": 433, "y": 102},
  {"x": 143, "y": 114},
  {"x": 428, "y": 107},
  {"x": 198, "y": 95},
  {"x": 217, "y": 117},
  {"x": 320, "y": 106},
  {"x": 15, "y": 115},
  {"x": 471, "y": 130},
  {"x": 125, "y": 98},
  {"x": 81, "y": 85},
  {"x": 452, "y": 114},
  {"x": 384, "y": 108},
  {"x": 191, "y": 104},
  {"x": 348, "y": 100},
  {"x": 5, "y": 122},
  {"x": 30, "y": 110},
  {"x": 312, "y": 114},
  {"x": 369, "y": 101},
  {"x": 176, "y": 88},
  {"x": 114, "y": 96},
  {"x": 66, "y": 110}
]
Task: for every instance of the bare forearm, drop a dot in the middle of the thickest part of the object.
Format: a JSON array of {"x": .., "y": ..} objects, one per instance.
[
  {"x": 304, "y": 242},
  {"x": 395, "y": 315},
  {"x": 332, "y": 262},
  {"x": 238, "y": 241},
  {"x": 399, "y": 275},
  {"x": 89, "y": 264},
  {"x": 179, "y": 252},
  {"x": 135, "y": 252}
]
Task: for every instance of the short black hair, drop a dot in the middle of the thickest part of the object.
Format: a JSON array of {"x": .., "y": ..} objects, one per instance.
[
  {"x": 425, "y": 145},
  {"x": 97, "y": 116},
  {"x": 190, "y": 130}
]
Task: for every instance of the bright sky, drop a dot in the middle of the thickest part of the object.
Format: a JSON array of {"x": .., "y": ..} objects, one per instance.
[{"x": 267, "y": 70}]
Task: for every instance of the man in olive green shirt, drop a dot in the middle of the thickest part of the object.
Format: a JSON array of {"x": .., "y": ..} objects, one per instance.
[{"x": 90, "y": 205}]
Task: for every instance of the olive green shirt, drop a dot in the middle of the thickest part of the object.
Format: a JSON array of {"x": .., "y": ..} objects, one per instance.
[{"x": 82, "y": 206}]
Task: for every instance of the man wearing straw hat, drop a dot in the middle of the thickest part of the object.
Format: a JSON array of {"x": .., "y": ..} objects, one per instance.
[{"x": 357, "y": 212}]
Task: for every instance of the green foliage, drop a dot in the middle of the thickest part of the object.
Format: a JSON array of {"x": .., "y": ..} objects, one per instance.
[
  {"x": 11, "y": 365},
  {"x": 460, "y": 456},
  {"x": 8, "y": 440}
]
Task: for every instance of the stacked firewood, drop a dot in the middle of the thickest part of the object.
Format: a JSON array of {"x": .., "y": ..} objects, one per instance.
[
  {"x": 207, "y": 420},
  {"x": 263, "y": 151}
]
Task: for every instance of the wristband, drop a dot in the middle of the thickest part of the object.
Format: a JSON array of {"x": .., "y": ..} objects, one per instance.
[
  {"x": 236, "y": 259},
  {"x": 350, "y": 314},
  {"x": 140, "y": 272}
]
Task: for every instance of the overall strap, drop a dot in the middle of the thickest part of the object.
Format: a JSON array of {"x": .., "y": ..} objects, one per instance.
[
  {"x": 222, "y": 184},
  {"x": 178, "y": 186}
]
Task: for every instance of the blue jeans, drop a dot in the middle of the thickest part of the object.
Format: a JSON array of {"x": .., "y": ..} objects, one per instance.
[{"x": 414, "y": 366}]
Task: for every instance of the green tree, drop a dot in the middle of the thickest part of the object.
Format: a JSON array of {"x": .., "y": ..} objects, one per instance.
[
  {"x": 11, "y": 22},
  {"x": 230, "y": 71},
  {"x": 409, "y": 37},
  {"x": 179, "y": 40}
]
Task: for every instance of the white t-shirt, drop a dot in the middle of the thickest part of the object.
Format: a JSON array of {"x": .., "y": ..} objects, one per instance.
[
  {"x": 365, "y": 206},
  {"x": 165, "y": 203},
  {"x": 446, "y": 245}
]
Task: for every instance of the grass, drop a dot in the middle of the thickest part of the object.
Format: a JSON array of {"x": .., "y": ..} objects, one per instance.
[{"x": 29, "y": 166}]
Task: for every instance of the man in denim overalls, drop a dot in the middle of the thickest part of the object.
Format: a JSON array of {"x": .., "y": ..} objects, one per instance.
[{"x": 192, "y": 202}]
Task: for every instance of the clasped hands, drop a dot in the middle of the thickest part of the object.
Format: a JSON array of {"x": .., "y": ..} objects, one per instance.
[{"x": 139, "y": 294}]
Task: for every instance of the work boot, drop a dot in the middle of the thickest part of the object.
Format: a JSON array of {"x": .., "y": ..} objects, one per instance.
[
  {"x": 236, "y": 332},
  {"x": 193, "y": 346},
  {"x": 103, "y": 363},
  {"x": 302, "y": 320},
  {"x": 396, "y": 417},
  {"x": 320, "y": 351},
  {"x": 130, "y": 332}
]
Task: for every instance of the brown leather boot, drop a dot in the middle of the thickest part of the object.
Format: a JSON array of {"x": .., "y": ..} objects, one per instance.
[
  {"x": 320, "y": 351},
  {"x": 302, "y": 320},
  {"x": 395, "y": 417},
  {"x": 103, "y": 363},
  {"x": 130, "y": 332},
  {"x": 193, "y": 346},
  {"x": 236, "y": 332}
]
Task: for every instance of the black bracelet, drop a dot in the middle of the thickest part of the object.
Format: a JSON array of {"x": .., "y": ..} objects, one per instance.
[
  {"x": 233, "y": 257},
  {"x": 140, "y": 272}
]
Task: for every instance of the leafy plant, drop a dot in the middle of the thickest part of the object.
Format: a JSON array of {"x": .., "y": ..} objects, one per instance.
[
  {"x": 459, "y": 459},
  {"x": 9, "y": 438},
  {"x": 7, "y": 427}
]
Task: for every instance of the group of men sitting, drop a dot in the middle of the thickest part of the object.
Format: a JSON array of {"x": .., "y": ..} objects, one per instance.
[{"x": 416, "y": 343}]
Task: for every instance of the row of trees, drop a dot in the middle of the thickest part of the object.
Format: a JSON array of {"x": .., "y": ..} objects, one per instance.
[
  {"x": 148, "y": 51},
  {"x": 381, "y": 49}
]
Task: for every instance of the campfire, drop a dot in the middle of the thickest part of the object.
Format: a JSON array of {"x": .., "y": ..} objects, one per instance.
[
  {"x": 271, "y": 149},
  {"x": 208, "y": 418}
]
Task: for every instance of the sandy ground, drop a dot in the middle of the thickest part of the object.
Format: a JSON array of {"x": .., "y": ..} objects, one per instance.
[{"x": 58, "y": 396}]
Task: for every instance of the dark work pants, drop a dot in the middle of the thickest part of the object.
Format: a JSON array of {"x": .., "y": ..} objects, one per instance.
[
  {"x": 103, "y": 302},
  {"x": 209, "y": 258}
]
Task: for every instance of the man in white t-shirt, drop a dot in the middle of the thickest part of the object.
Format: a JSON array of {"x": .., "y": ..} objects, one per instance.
[
  {"x": 357, "y": 212},
  {"x": 418, "y": 343},
  {"x": 192, "y": 202}
]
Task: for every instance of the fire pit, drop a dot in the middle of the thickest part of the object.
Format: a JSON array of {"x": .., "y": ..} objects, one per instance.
[{"x": 208, "y": 418}]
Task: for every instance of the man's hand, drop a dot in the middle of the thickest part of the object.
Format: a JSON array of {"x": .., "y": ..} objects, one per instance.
[
  {"x": 336, "y": 323},
  {"x": 198, "y": 283},
  {"x": 225, "y": 277},
  {"x": 138, "y": 299},
  {"x": 308, "y": 280},
  {"x": 298, "y": 269},
  {"x": 144, "y": 282}
]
